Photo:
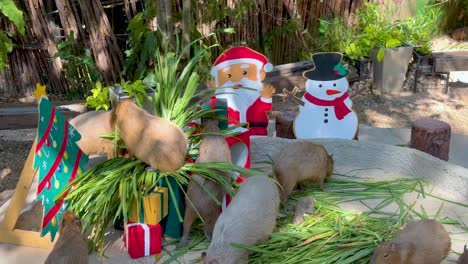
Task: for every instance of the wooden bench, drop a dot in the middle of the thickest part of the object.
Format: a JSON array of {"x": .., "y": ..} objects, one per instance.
[
  {"x": 441, "y": 63},
  {"x": 290, "y": 74}
]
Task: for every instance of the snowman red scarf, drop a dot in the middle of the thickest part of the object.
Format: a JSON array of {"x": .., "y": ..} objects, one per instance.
[{"x": 341, "y": 110}]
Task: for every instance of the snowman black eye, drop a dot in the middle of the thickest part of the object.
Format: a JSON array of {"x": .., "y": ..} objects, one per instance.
[
  {"x": 320, "y": 85},
  {"x": 334, "y": 84},
  {"x": 244, "y": 73},
  {"x": 229, "y": 75}
]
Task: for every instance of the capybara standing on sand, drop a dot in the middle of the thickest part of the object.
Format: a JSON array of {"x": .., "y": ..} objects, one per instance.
[
  {"x": 301, "y": 161},
  {"x": 71, "y": 246},
  {"x": 213, "y": 148},
  {"x": 152, "y": 139},
  {"x": 91, "y": 125},
  {"x": 249, "y": 219},
  {"x": 420, "y": 242}
]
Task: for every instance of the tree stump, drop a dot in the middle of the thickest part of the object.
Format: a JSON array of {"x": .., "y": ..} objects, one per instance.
[
  {"x": 284, "y": 124},
  {"x": 431, "y": 136}
]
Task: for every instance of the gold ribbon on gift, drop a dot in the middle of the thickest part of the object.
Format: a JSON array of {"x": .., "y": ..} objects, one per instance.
[{"x": 152, "y": 208}]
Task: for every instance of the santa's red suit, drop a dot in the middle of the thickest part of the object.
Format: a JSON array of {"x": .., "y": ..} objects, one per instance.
[
  {"x": 255, "y": 115},
  {"x": 257, "y": 118}
]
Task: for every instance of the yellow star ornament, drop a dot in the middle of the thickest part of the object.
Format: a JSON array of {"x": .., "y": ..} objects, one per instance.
[{"x": 40, "y": 91}]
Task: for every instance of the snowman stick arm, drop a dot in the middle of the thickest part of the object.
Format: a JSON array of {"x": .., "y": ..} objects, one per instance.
[{"x": 292, "y": 95}]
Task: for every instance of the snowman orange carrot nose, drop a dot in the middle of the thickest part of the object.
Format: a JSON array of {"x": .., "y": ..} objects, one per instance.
[{"x": 332, "y": 92}]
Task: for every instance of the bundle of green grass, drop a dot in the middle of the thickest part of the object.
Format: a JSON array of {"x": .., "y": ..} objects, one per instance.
[
  {"x": 337, "y": 235},
  {"x": 108, "y": 191}
]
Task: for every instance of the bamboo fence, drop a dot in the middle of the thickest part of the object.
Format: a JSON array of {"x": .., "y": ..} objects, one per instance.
[{"x": 284, "y": 30}]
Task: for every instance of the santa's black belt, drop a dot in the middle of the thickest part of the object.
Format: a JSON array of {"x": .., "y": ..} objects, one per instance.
[{"x": 257, "y": 124}]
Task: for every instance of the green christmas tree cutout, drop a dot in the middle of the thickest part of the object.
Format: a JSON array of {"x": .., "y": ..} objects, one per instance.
[{"x": 58, "y": 159}]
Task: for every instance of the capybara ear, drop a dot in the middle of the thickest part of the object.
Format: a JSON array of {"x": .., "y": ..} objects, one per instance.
[{"x": 77, "y": 222}]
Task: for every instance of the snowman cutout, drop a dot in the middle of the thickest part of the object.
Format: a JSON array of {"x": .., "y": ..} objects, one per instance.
[{"x": 325, "y": 110}]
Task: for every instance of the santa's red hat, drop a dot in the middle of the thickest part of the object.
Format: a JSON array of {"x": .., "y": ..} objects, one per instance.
[{"x": 241, "y": 54}]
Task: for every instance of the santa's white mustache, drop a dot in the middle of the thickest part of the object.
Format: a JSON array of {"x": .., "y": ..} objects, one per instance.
[{"x": 246, "y": 85}]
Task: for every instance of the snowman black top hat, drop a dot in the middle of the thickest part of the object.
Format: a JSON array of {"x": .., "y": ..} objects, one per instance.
[{"x": 327, "y": 67}]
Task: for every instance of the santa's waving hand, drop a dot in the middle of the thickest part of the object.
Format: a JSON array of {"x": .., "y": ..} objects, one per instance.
[{"x": 238, "y": 74}]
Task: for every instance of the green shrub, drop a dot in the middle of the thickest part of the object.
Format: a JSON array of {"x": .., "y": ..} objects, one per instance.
[
  {"x": 80, "y": 69},
  {"x": 99, "y": 97},
  {"x": 15, "y": 15},
  {"x": 423, "y": 27}
]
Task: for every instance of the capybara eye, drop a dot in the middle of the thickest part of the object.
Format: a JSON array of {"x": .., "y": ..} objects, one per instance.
[
  {"x": 229, "y": 75},
  {"x": 386, "y": 255},
  {"x": 244, "y": 73}
]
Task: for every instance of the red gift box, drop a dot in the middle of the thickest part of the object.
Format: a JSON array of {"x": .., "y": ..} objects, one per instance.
[{"x": 142, "y": 240}]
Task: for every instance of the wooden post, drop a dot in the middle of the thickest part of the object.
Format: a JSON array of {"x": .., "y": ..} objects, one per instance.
[
  {"x": 8, "y": 233},
  {"x": 284, "y": 124},
  {"x": 431, "y": 136}
]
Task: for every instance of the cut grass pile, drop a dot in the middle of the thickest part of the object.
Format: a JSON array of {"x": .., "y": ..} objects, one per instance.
[{"x": 337, "y": 235}]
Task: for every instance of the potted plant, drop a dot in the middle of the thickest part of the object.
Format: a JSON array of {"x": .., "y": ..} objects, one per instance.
[
  {"x": 391, "y": 58},
  {"x": 375, "y": 35},
  {"x": 336, "y": 35},
  {"x": 357, "y": 53},
  {"x": 420, "y": 30},
  {"x": 142, "y": 94}
]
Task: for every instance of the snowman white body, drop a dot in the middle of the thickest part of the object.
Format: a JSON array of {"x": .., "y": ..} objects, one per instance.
[{"x": 315, "y": 121}]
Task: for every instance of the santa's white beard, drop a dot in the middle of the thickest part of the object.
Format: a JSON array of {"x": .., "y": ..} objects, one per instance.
[{"x": 240, "y": 99}]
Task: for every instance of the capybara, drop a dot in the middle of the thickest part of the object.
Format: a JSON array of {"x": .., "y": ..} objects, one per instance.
[
  {"x": 301, "y": 162},
  {"x": 460, "y": 34},
  {"x": 152, "y": 139},
  {"x": 305, "y": 205},
  {"x": 71, "y": 246},
  {"x": 91, "y": 125},
  {"x": 213, "y": 148},
  {"x": 249, "y": 219},
  {"x": 420, "y": 242},
  {"x": 464, "y": 257}
]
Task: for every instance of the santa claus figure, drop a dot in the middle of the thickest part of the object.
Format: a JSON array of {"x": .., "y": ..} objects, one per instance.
[{"x": 237, "y": 76}]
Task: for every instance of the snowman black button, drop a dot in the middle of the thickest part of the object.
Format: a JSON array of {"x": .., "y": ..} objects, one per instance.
[
  {"x": 326, "y": 109},
  {"x": 326, "y": 115},
  {"x": 325, "y": 121}
]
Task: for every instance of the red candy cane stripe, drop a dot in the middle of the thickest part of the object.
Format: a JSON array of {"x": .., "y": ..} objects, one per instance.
[
  {"x": 47, "y": 131},
  {"x": 57, "y": 161},
  {"x": 53, "y": 211}
]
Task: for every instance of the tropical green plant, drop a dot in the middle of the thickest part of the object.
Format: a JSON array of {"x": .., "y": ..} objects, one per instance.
[
  {"x": 143, "y": 43},
  {"x": 334, "y": 35},
  {"x": 455, "y": 14},
  {"x": 109, "y": 190},
  {"x": 423, "y": 27},
  {"x": 374, "y": 29},
  {"x": 80, "y": 69},
  {"x": 137, "y": 90},
  {"x": 9, "y": 10},
  {"x": 99, "y": 97}
]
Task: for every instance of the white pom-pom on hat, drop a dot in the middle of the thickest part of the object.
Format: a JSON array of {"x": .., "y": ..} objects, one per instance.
[{"x": 268, "y": 67}]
